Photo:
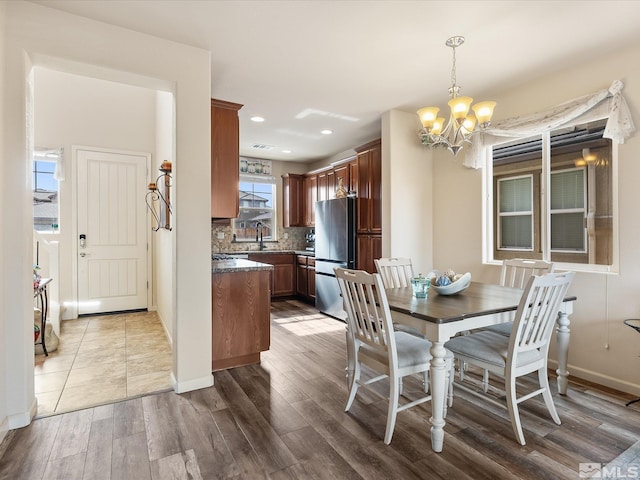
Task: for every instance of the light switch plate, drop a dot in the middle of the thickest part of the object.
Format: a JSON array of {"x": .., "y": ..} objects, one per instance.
[
  {"x": 286, "y": 235},
  {"x": 220, "y": 235}
]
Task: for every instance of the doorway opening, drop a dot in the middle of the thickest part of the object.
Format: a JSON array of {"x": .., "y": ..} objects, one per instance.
[{"x": 104, "y": 128}]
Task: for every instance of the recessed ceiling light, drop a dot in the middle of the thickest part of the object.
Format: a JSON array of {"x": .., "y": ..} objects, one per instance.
[
  {"x": 326, "y": 132},
  {"x": 257, "y": 119},
  {"x": 286, "y": 151}
]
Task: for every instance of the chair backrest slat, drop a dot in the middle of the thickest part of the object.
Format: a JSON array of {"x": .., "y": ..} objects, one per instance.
[
  {"x": 517, "y": 271},
  {"x": 368, "y": 314},
  {"x": 395, "y": 272},
  {"x": 537, "y": 312}
]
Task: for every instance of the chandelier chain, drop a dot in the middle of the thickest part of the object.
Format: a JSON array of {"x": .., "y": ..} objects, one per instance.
[{"x": 453, "y": 72}]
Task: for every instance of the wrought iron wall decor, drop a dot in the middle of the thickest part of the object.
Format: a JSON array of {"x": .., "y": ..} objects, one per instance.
[{"x": 158, "y": 198}]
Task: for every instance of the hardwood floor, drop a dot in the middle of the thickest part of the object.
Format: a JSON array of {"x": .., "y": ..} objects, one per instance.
[{"x": 285, "y": 419}]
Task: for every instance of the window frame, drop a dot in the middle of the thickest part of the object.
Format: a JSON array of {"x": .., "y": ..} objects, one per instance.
[
  {"x": 264, "y": 180},
  {"x": 530, "y": 213},
  {"x": 43, "y": 158},
  {"x": 582, "y": 210},
  {"x": 488, "y": 212}
]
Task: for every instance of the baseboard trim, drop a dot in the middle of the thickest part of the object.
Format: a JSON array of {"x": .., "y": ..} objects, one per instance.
[
  {"x": 598, "y": 378},
  {"x": 4, "y": 428},
  {"x": 190, "y": 385},
  {"x": 23, "y": 419}
]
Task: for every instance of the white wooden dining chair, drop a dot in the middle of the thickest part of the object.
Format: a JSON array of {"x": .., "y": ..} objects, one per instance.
[
  {"x": 376, "y": 344},
  {"x": 395, "y": 272},
  {"x": 515, "y": 273},
  {"x": 525, "y": 351}
]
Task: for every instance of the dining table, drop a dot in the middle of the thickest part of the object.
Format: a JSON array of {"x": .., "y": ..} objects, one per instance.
[{"x": 440, "y": 317}]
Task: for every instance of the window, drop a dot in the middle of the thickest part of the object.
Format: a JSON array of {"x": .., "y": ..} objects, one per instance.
[
  {"x": 45, "y": 191},
  {"x": 571, "y": 224},
  {"x": 257, "y": 210},
  {"x": 515, "y": 213}
]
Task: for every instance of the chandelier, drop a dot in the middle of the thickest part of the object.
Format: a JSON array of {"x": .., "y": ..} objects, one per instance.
[{"x": 461, "y": 125}]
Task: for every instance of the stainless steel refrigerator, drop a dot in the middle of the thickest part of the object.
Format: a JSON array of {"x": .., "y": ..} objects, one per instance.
[{"x": 335, "y": 247}]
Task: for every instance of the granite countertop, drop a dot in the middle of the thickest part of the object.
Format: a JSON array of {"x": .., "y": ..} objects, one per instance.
[{"x": 228, "y": 265}]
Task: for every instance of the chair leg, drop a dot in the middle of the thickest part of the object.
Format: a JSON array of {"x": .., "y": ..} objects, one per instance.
[
  {"x": 452, "y": 375},
  {"x": 353, "y": 387},
  {"x": 510, "y": 390},
  {"x": 425, "y": 381},
  {"x": 546, "y": 394},
  {"x": 394, "y": 387},
  {"x": 485, "y": 381}
]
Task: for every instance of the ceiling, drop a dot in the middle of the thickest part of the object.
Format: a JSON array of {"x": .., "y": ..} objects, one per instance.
[{"x": 306, "y": 66}]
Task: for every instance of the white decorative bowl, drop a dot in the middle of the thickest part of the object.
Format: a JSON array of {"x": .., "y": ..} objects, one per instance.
[{"x": 453, "y": 288}]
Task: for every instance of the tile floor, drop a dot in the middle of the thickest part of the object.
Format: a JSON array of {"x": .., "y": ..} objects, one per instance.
[{"x": 102, "y": 359}]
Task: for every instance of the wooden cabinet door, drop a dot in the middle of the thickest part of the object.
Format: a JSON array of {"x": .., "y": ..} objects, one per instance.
[
  {"x": 301, "y": 275},
  {"x": 293, "y": 200},
  {"x": 301, "y": 280},
  {"x": 370, "y": 189},
  {"x": 341, "y": 172},
  {"x": 353, "y": 176},
  {"x": 225, "y": 159},
  {"x": 283, "y": 280},
  {"x": 311, "y": 283},
  {"x": 323, "y": 186},
  {"x": 311, "y": 195},
  {"x": 240, "y": 330},
  {"x": 375, "y": 191},
  {"x": 332, "y": 184},
  {"x": 369, "y": 248}
]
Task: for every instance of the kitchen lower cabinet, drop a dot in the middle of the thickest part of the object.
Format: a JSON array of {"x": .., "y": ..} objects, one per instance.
[
  {"x": 283, "y": 280},
  {"x": 240, "y": 318},
  {"x": 306, "y": 278}
]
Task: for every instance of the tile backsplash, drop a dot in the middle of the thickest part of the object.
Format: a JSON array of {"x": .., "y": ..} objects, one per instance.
[{"x": 295, "y": 241}]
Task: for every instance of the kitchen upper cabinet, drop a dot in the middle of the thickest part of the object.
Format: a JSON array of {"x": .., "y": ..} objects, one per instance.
[
  {"x": 323, "y": 186},
  {"x": 311, "y": 195},
  {"x": 225, "y": 159},
  {"x": 293, "y": 200},
  {"x": 353, "y": 176},
  {"x": 340, "y": 172},
  {"x": 369, "y": 161}
]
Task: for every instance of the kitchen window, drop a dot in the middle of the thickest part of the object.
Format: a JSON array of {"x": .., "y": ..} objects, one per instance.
[
  {"x": 574, "y": 222},
  {"x": 257, "y": 210}
]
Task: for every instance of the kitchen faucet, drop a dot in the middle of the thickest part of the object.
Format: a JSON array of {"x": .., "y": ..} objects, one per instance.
[{"x": 259, "y": 231}]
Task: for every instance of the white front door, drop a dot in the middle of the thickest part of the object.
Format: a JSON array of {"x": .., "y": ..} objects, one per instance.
[{"x": 112, "y": 240}]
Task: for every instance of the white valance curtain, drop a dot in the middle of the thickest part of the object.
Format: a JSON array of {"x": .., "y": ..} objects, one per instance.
[{"x": 608, "y": 102}]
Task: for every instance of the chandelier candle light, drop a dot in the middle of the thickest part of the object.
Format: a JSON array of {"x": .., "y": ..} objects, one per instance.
[{"x": 461, "y": 125}]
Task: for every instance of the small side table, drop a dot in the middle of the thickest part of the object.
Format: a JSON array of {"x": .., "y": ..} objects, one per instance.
[
  {"x": 635, "y": 324},
  {"x": 41, "y": 296}
]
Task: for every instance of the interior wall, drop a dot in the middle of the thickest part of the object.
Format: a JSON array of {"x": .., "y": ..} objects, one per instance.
[
  {"x": 83, "y": 46},
  {"x": 162, "y": 240},
  {"x": 4, "y": 424},
  {"x": 83, "y": 111},
  {"x": 602, "y": 348},
  {"x": 407, "y": 181}
]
